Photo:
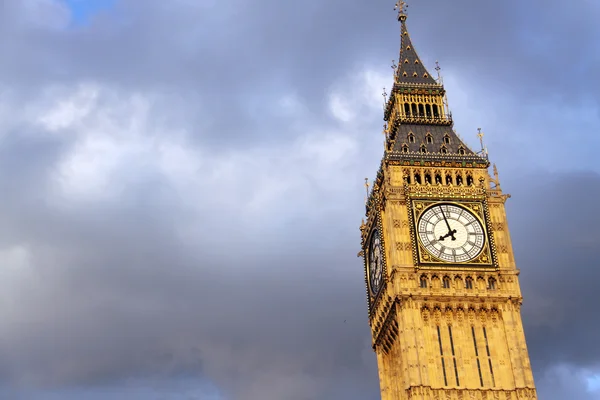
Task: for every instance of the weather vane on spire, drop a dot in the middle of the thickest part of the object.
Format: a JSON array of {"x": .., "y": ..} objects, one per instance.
[{"x": 401, "y": 7}]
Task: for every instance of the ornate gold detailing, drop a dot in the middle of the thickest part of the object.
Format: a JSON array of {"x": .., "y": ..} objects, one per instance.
[
  {"x": 388, "y": 331},
  {"x": 400, "y": 246},
  {"x": 487, "y": 256},
  {"x": 401, "y": 8},
  {"x": 498, "y": 226}
]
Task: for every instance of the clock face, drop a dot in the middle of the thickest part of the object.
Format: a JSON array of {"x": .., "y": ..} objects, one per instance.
[
  {"x": 450, "y": 233},
  {"x": 375, "y": 262}
]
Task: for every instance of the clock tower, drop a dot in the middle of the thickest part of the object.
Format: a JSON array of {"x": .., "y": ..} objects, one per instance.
[{"x": 442, "y": 284}]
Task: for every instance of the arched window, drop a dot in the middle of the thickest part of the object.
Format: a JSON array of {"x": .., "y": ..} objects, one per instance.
[
  {"x": 421, "y": 109},
  {"x": 435, "y": 111},
  {"x": 469, "y": 180},
  {"x": 447, "y": 139},
  {"x": 423, "y": 281},
  {"x": 469, "y": 283},
  {"x": 492, "y": 284},
  {"x": 428, "y": 110},
  {"x": 411, "y": 137},
  {"x": 405, "y": 148},
  {"x": 461, "y": 151},
  {"x": 438, "y": 179},
  {"x": 418, "y": 178},
  {"x": 406, "y": 109},
  {"x": 446, "y": 282},
  {"x": 423, "y": 149},
  {"x": 414, "y": 109},
  {"x": 429, "y": 138},
  {"x": 448, "y": 179},
  {"x": 427, "y": 178},
  {"x": 444, "y": 150},
  {"x": 459, "y": 180}
]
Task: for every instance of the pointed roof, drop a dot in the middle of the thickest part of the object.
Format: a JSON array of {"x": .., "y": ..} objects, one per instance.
[{"x": 410, "y": 69}]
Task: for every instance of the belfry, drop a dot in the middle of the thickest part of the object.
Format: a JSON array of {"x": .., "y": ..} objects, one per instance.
[{"x": 442, "y": 284}]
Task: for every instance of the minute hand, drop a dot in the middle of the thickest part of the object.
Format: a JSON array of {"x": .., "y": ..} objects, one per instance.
[
  {"x": 451, "y": 231},
  {"x": 445, "y": 220}
]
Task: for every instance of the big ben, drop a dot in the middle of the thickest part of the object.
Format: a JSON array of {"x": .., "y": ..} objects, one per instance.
[{"x": 441, "y": 279}]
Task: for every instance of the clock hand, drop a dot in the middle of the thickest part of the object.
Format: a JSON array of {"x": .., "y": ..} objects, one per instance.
[
  {"x": 445, "y": 219},
  {"x": 451, "y": 231}
]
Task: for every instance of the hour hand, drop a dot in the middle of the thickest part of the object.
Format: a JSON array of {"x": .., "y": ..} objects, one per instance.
[{"x": 450, "y": 233}]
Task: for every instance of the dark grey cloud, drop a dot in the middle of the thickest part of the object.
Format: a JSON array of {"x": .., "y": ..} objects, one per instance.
[{"x": 234, "y": 261}]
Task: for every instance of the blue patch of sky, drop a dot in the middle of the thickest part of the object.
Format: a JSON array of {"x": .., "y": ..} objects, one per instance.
[
  {"x": 83, "y": 10},
  {"x": 593, "y": 383}
]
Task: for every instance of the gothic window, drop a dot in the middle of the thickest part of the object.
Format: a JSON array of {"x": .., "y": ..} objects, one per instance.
[
  {"x": 428, "y": 110},
  {"x": 438, "y": 179},
  {"x": 446, "y": 282},
  {"x": 442, "y": 355},
  {"x": 461, "y": 151},
  {"x": 469, "y": 283},
  {"x": 492, "y": 284},
  {"x": 406, "y": 109},
  {"x": 458, "y": 281},
  {"x": 415, "y": 74},
  {"x": 448, "y": 179},
  {"x": 413, "y": 107},
  {"x": 459, "y": 180},
  {"x": 428, "y": 178},
  {"x": 416, "y": 61},
  {"x": 453, "y": 355},
  {"x": 418, "y": 178},
  {"x": 487, "y": 350},
  {"x": 421, "y": 109},
  {"x": 405, "y": 148},
  {"x": 423, "y": 149},
  {"x": 447, "y": 139},
  {"x": 411, "y": 137},
  {"x": 469, "y": 180},
  {"x": 404, "y": 73},
  {"x": 435, "y": 111},
  {"x": 423, "y": 282},
  {"x": 429, "y": 138},
  {"x": 477, "y": 355},
  {"x": 406, "y": 61},
  {"x": 444, "y": 150}
]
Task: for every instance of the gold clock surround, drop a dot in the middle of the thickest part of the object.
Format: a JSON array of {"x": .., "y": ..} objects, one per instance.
[{"x": 485, "y": 259}]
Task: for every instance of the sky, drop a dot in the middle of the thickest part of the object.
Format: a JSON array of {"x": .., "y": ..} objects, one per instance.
[{"x": 182, "y": 187}]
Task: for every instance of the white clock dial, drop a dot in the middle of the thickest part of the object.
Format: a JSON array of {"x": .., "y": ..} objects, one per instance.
[
  {"x": 375, "y": 262},
  {"x": 450, "y": 233}
]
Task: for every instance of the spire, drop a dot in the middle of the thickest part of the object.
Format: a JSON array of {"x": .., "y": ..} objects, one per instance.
[{"x": 410, "y": 69}]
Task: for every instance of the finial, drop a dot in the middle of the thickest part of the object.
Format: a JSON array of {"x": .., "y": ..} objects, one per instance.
[
  {"x": 483, "y": 151},
  {"x": 385, "y": 98},
  {"x": 401, "y": 7},
  {"x": 367, "y": 189},
  {"x": 438, "y": 69},
  {"x": 385, "y": 134},
  {"x": 496, "y": 180}
]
